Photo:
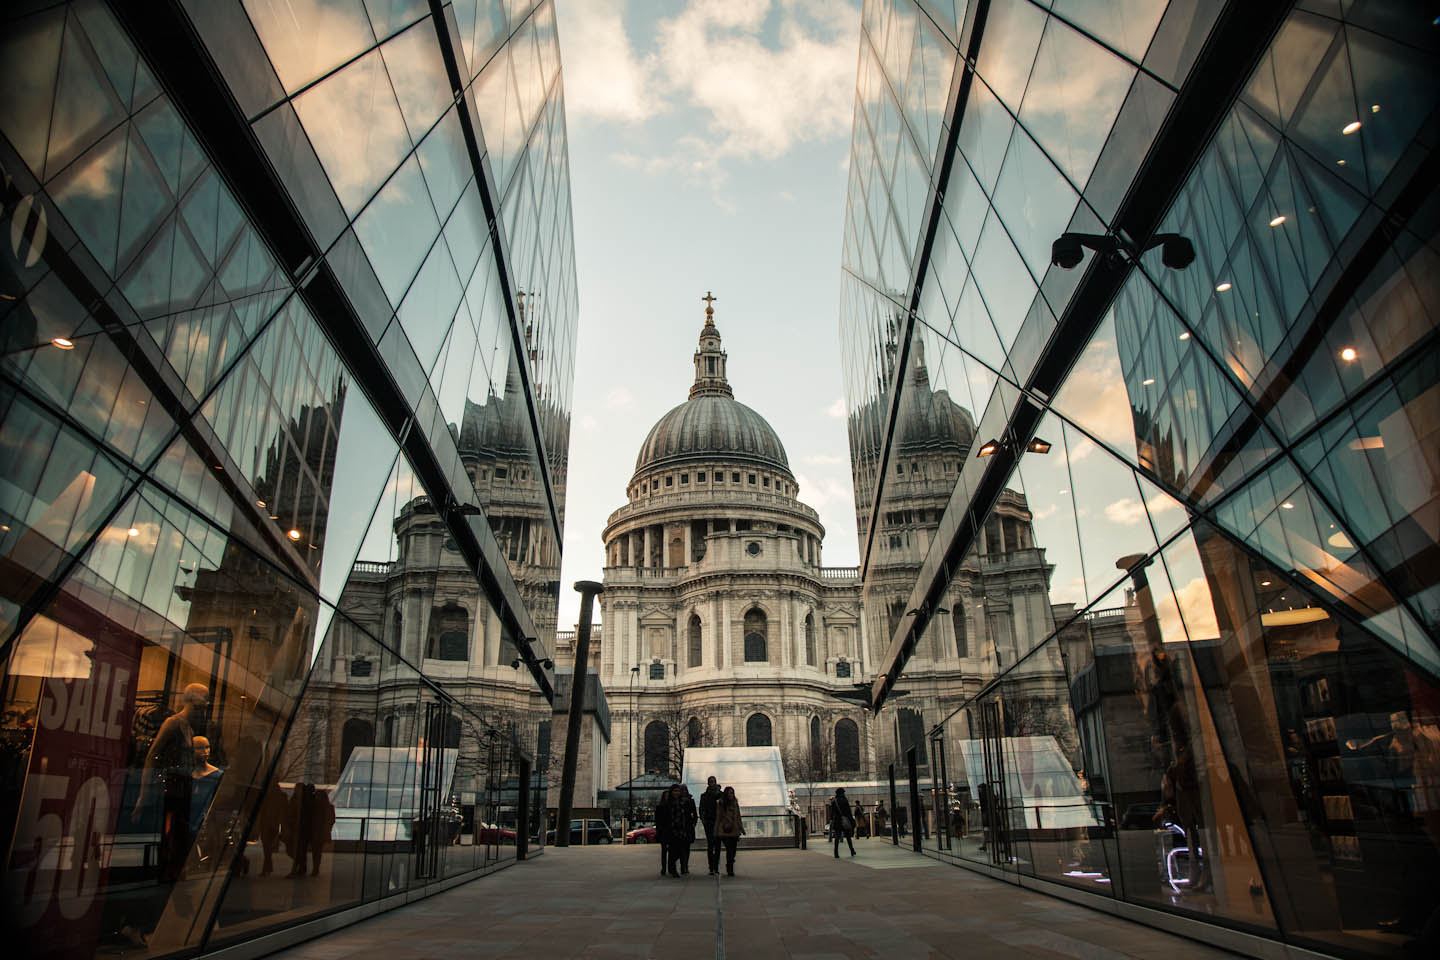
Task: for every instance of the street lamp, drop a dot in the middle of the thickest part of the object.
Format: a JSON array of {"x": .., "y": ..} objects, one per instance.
[{"x": 630, "y": 786}]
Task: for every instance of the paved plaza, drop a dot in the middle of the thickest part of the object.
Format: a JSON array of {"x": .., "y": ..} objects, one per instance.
[{"x": 609, "y": 901}]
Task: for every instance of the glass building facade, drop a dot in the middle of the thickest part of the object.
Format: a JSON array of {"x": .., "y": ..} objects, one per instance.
[
  {"x": 288, "y": 310},
  {"x": 1213, "y": 702}
]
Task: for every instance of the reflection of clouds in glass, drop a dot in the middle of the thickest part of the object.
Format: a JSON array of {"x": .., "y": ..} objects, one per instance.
[
  {"x": 1129, "y": 511},
  {"x": 356, "y": 128},
  {"x": 1196, "y": 608},
  {"x": 1073, "y": 98},
  {"x": 306, "y": 38},
  {"x": 50, "y": 649},
  {"x": 1095, "y": 396}
]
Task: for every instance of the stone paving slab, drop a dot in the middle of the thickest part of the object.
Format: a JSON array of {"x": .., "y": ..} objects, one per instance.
[{"x": 608, "y": 902}]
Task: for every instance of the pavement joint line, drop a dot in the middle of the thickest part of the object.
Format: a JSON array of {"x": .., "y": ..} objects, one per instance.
[{"x": 719, "y": 919}]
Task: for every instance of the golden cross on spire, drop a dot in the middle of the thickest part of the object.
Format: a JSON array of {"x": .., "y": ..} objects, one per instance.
[{"x": 709, "y": 299}]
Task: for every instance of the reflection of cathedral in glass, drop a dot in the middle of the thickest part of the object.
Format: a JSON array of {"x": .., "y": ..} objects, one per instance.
[
  {"x": 282, "y": 461},
  {"x": 1209, "y": 690}
]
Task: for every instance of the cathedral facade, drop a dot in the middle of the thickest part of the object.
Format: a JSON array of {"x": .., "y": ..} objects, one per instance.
[{"x": 723, "y": 626}]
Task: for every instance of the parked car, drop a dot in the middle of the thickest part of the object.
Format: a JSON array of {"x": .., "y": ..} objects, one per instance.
[
  {"x": 641, "y": 835},
  {"x": 493, "y": 833},
  {"x": 596, "y": 831}
]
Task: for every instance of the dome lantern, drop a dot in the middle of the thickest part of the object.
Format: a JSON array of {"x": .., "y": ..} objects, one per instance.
[{"x": 710, "y": 358}]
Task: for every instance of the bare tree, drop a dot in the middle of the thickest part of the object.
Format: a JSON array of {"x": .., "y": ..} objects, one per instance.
[
  {"x": 680, "y": 733},
  {"x": 807, "y": 768}
]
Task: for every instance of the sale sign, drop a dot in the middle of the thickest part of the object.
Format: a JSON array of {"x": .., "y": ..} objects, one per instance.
[{"x": 66, "y": 825}]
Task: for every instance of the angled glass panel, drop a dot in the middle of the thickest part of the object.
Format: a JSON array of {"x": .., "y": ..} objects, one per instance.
[
  {"x": 357, "y": 158},
  {"x": 289, "y": 33},
  {"x": 1073, "y": 97},
  {"x": 1128, "y": 26},
  {"x": 397, "y": 230},
  {"x": 1012, "y": 36},
  {"x": 1114, "y": 525}
]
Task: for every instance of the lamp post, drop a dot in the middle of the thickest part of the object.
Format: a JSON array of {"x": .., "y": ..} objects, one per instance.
[{"x": 630, "y": 797}]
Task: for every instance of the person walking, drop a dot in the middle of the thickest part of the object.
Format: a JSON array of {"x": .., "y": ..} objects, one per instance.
[
  {"x": 708, "y": 800},
  {"x": 662, "y": 827},
  {"x": 861, "y": 826},
  {"x": 842, "y": 822},
  {"x": 729, "y": 826},
  {"x": 682, "y": 830}
]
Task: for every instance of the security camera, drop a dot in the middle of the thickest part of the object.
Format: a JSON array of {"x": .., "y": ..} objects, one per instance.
[
  {"x": 1176, "y": 252},
  {"x": 1066, "y": 252}
]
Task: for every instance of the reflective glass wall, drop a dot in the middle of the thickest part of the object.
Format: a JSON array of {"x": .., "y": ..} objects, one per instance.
[
  {"x": 1185, "y": 559},
  {"x": 287, "y": 306}
]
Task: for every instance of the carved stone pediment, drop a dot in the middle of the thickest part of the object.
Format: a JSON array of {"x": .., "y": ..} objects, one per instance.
[{"x": 656, "y": 616}]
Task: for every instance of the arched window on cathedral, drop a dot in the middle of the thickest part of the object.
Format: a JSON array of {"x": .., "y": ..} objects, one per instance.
[
  {"x": 816, "y": 747},
  {"x": 694, "y": 733},
  {"x": 894, "y": 615},
  {"x": 810, "y": 640},
  {"x": 755, "y": 636},
  {"x": 355, "y": 733},
  {"x": 657, "y": 747},
  {"x": 449, "y": 633},
  {"x": 757, "y": 731},
  {"x": 847, "y": 746},
  {"x": 697, "y": 652},
  {"x": 962, "y": 640},
  {"x": 912, "y": 734}
]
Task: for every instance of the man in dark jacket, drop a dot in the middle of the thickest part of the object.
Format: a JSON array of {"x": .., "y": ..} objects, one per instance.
[{"x": 707, "y": 820}]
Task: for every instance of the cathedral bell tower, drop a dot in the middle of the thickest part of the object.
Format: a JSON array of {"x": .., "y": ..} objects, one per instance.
[{"x": 710, "y": 359}]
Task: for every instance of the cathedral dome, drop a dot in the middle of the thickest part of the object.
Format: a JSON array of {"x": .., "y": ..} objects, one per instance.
[
  {"x": 712, "y": 427},
  {"x": 712, "y": 424}
]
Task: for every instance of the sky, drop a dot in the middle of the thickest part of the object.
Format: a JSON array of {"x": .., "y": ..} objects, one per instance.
[{"x": 708, "y": 148}]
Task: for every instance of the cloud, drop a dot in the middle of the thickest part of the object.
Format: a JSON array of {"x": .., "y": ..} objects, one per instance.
[
  {"x": 837, "y": 409},
  {"x": 755, "y": 99},
  {"x": 617, "y": 398},
  {"x": 827, "y": 459},
  {"x": 761, "y": 100},
  {"x": 1197, "y": 609},
  {"x": 604, "y": 78}
]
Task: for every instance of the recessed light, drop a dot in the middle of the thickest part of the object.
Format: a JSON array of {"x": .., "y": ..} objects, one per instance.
[
  {"x": 133, "y": 531},
  {"x": 1222, "y": 287},
  {"x": 1276, "y": 220},
  {"x": 260, "y": 503},
  {"x": 293, "y": 534},
  {"x": 1348, "y": 354},
  {"x": 1340, "y": 162},
  {"x": 1147, "y": 381},
  {"x": 1374, "y": 108},
  {"x": 1287, "y": 505},
  {"x": 219, "y": 467},
  {"x": 1185, "y": 335},
  {"x": 274, "y": 516},
  {"x": 1264, "y": 583},
  {"x": 1350, "y": 127},
  {"x": 63, "y": 343}
]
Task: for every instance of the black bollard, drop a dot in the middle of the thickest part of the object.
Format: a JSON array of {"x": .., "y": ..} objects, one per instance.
[{"x": 587, "y": 590}]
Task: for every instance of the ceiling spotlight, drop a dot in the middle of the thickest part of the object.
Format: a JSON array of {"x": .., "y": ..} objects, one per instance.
[
  {"x": 1350, "y": 127},
  {"x": 1374, "y": 108},
  {"x": 63, "y": 343},
  {"x": 1037, "y": 445},
  {"x": 260, "y": 503},
  {"x": 1264, "y": 583},
  {"x": 293, "y": 534},
  {"x": 1287, "y": 505},
  {"x": 1147, "y": 381},
  {"x": 1276, "y": 220},
  {"x": 1340, "y": 162},
  {"x": 988, "y": 449},
  {"x": 133, "y": 532},
  {"x": 1222, "y": 287},
  {"x": 1348, "y": 354},
  {"x": 1185, "y": 335}
]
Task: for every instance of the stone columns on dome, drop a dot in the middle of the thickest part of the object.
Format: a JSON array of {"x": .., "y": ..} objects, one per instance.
[
  {"x": 688, "y": 551},
  {"x": 647, "y": 557}
]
